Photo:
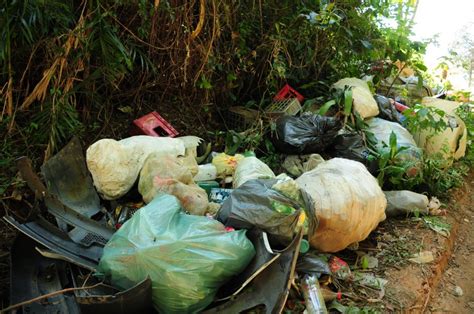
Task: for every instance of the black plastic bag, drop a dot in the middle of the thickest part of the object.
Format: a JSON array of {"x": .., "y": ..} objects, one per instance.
[
  {"x": 388, "y": 110},
  {"x": 307, "y": 134},
  {"x": 253, "y": 205},
  {"x": 313, "y": 265},
  {"x": 352, "y": 146}
]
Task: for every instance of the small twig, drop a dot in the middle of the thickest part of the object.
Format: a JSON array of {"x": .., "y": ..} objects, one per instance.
[
  {"x": 200, "y": 24},
  {"x": 45, "y": 296},
  {"x": 426, "y": 301},
  {"x": 87, "y": 278},
  {"x": 396, "y": 77}
]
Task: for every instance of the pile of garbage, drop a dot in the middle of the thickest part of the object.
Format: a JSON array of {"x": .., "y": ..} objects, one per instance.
[{"x": 151, "y": 223}]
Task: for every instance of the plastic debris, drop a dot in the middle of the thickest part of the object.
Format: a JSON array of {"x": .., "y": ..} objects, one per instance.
[
  {"x": 313, "y": 295},
  {"x": 458, "y": 292},
  {"x": 257, "y": 204},
  {"x": 382, "y": 129},
  {"x": 454, "y": 137},
  {"x": 370, "y": 280},
  {"x": 296, "y": 165},
  {"x": 115, "y": 165},
  {"x": 369, "y": 262},
  {"x": 405, "y": 202},
  {"x": 206, "y": 172},
  {"x": 313, "y": 264},
  {"x": 154, "y": 125},
  {"x": 352, "y": 146},
  {"x": 219, "y": 195},
  {"x": 339, "y": 268},
  {"x": 226, "y": 164},
  {"x": 438, "y": 225},
  {"x": 364, "y": 103},
  {"x": 251, "y": 168},
  {"x": 200, "y": 255},
  {"x": 422, "y": 257},
  {"x": 348, "y": 202},
  {"x": 165, "y": 174},
  {"x": 306, "y": 134},
  {"x": 387, "y": 109}
]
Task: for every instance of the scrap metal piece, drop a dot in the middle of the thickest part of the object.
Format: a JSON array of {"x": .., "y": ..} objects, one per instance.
[
  {"x": 57, "y": 241},
  {"x": 92, "y": 231},
  {"x": 269, "y": 288},
  {"x": 33, "y": 275},
  {"x": 137, "y": 299},
  {"x": 68, "y": 179}
]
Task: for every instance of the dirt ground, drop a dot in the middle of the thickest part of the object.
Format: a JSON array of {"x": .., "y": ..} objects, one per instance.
[
  {"x": 460, "y": 269},
  {"x": 447, "y": 284}
]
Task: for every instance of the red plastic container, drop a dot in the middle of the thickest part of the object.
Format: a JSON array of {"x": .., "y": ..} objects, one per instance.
[
  {"x": 400, "y": 107},
  {"x": 153, "y": 124},
  {"x": 288, "y": 92}
]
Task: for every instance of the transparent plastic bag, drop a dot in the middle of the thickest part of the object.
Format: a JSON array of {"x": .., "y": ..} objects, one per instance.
[
  {"x": 168, "y": 174},
  {"x": 251, "y": 168},
  {"x": 187, "y": 257}
]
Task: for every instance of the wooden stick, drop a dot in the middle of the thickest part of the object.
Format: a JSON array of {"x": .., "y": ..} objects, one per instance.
[{"x": 45, "y": 296}]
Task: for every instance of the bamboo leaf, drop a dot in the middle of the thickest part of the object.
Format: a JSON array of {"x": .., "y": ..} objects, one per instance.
[{"x": 347, "y": 102}]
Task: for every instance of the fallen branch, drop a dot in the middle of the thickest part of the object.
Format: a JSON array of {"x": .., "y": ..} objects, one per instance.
[{"x": 45, "y": 296}]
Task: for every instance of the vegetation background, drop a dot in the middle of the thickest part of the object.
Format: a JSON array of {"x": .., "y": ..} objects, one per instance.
[{"x": 89, "y": 67}]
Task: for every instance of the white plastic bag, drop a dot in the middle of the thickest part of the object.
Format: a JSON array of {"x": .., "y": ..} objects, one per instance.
[
  {"x": 206, "y": 172},
  {"x": 405, "y": 202},
  {"x": 348, "y": 202},
  {"x": 115, "y": 165},
  {"x": 455, "y": 139},
  {"x": 166, "y": 174},
  {"x": 382, "y": 129},
  {"x": 363, "y": 100},
  {"x": 251, "y": 168}
]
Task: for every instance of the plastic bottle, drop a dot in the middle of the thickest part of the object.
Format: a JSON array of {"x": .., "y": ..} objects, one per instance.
[
  {"x": 312, "y": 295},
  {"x": 304, "y": 246}
]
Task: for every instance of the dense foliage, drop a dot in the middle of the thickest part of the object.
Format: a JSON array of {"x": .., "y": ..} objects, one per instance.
[{"x": 68, "y": 67}]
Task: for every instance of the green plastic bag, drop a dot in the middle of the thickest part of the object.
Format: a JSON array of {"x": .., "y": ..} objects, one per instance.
[{"x": 187, "y": 257}]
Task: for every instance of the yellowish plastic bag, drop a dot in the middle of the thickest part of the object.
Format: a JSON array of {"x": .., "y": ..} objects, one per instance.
[
  {"x": 348, "y": 203},
  {"x": 455, "y": 140},
  {"x": 168, "y": 174},
  {"x": 363, "y": 100},
  {"x": 115, "y": 165},
  {"x": 251, "y": 168},
  {"x": 226, "y": 164}
]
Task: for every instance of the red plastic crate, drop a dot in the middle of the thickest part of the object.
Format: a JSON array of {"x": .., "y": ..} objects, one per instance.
[
  {"x": 154, "y": 125},
  {"x": 288, "y": 92}
]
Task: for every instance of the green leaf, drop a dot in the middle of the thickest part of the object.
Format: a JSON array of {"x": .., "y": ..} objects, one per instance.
[
  {"x": 420, "y": 82},
  {"x": 364, "y": 262},
  {"x": 324, "y": 108},
  {"x": 347, "y": 102},
  {"x": 205, "y": 83},
  {"x": 233, "y": 142},
  {"x": 393, "y": 142}
]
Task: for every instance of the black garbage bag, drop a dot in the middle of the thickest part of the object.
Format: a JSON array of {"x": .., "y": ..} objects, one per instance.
[
  {"x": 306, "y": 134},
  {"x": 387, "y": 109},
  {"x": 313, "y": 264},
  {"x": 256, "y": 204},
  {"x": 352, "y": 146}
]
